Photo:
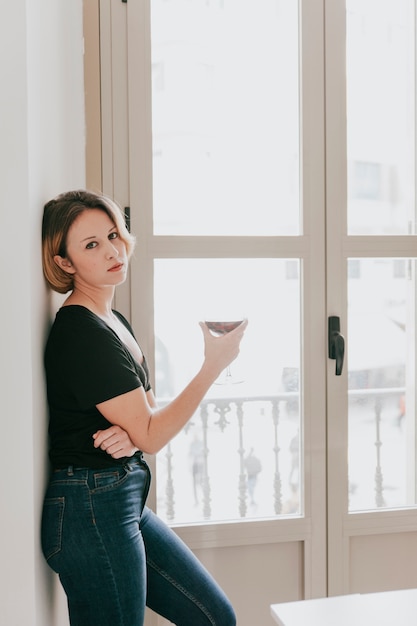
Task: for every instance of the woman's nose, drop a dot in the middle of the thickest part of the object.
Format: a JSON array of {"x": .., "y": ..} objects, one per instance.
[{"x": 112, "y": 251}]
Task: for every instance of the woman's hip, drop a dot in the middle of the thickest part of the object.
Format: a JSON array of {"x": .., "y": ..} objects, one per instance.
[{"x": 85, "y": 506}]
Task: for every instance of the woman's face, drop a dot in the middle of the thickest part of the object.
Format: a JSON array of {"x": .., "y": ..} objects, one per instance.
[{"x": 96, "y": 256}]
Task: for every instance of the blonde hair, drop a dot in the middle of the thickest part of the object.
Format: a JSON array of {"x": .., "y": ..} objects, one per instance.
[{"x": 58, "y": 216}]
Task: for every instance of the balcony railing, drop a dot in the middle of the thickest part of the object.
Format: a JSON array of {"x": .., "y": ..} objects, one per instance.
[
  {"x": 273, "y": 423},
  {"x": 383, "y": 407},
  {"x": 237, "y": 418}
]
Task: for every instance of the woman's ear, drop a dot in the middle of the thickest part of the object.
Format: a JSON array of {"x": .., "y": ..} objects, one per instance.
[{"x": 64, "y": 264}]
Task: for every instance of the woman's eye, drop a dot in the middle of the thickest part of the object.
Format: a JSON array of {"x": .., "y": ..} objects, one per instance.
[
  {"x": 91, "y": 244},
  {"x": 114, "y": 235}
]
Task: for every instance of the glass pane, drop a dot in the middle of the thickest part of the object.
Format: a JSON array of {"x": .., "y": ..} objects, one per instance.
[
  {"x": 381, "y": 375},
  {"x": 225, "y": 117},
  {"x": 239, "y": 457},
  {"x": 381, "y": 100}
]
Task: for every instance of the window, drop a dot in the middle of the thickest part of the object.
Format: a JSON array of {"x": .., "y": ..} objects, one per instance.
[{"x": 225, "y": 141}]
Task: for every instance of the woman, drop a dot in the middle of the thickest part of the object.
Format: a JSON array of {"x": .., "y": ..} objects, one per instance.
[{"x": 112, "y": 554}]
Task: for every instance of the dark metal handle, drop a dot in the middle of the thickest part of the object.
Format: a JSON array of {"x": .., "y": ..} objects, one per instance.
[{"x": 336, "y": 343}]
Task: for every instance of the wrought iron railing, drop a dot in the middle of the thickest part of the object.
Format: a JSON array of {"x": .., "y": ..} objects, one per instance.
[
  {"x": 376, "y": 400},
  {"x": 234, "y": 413}
]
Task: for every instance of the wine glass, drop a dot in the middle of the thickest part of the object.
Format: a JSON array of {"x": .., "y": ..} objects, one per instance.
[{"x": 221, "y": 328}]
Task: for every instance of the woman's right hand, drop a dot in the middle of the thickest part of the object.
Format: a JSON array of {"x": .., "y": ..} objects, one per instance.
[{"x": 220, "y": 351}]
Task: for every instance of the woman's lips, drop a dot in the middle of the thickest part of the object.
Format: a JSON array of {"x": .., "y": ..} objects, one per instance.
[{"x": 116, "y": 267}]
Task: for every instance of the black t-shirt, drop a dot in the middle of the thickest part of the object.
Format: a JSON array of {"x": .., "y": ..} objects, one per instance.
[{"x": 85, "y": 363}]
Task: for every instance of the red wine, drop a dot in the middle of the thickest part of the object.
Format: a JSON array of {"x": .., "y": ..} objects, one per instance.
[{"x": 221, "y": 328}]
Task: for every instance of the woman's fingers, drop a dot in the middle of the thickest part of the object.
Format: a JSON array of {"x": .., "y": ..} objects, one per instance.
[{"x": 115, "y": 441}]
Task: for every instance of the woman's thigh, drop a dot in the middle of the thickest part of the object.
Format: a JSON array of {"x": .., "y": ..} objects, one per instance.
[{"x": 178, "y": 586}]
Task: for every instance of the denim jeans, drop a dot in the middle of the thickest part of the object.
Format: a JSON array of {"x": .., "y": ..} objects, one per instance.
[{"x": 114, "y": 555}]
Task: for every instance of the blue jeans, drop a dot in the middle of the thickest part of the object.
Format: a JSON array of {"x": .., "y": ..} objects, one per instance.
[{"x": 113, "y": 555}]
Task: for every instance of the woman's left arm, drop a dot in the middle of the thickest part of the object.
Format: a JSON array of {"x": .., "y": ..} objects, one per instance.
[{"x": 115, "y": 441}]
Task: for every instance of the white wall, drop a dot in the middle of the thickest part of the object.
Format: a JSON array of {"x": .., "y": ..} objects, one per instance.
[{"x": 41, "y": 154}]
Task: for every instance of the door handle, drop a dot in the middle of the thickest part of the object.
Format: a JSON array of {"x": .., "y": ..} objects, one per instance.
[{"x": 336, "y": 343}]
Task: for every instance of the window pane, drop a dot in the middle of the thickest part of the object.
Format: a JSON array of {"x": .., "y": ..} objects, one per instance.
[
  {"x": 381, "y": 375},
  {"x": 381, "y": 116},
  {"x": 225, "y": 117},
  {"x": 239, "y": 457}
]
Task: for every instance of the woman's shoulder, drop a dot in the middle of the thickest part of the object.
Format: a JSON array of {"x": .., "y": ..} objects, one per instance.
[
  {"x": 75, "y": 321},
  {"x": 76, "y": 314},
  {"x": 77, "y": 330}
]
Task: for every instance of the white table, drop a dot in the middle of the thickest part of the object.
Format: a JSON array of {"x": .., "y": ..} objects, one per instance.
[{"x": 388, "y": 608}]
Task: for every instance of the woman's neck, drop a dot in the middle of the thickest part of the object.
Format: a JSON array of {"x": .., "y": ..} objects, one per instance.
[{"x": 98, "y": 301}]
